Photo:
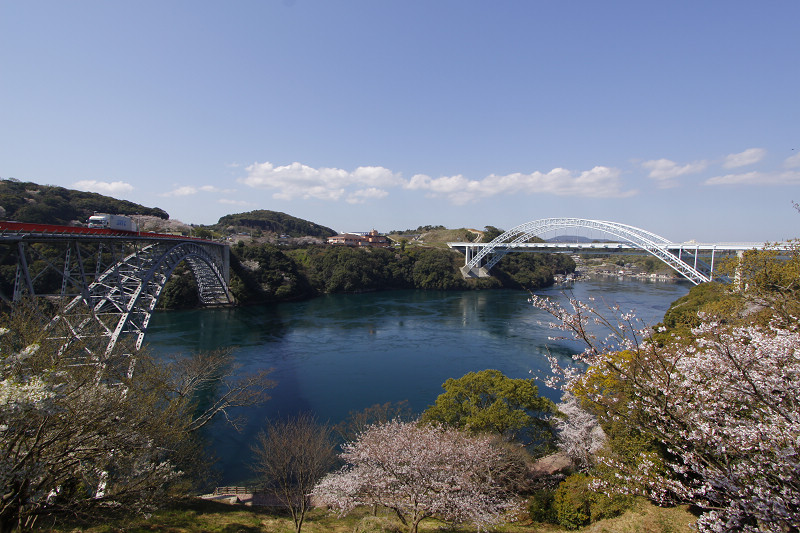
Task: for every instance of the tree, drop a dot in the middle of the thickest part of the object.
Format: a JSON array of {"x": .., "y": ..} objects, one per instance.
[
  {"x": 723, "y": 404},
  {"x": 769, "y": 280},
  {"x": 180, "y": 290},
  {"x": 70, "y": 440},
  {"x": 579, "y": 434},
  {"x": 436, "y": 269},
  {"x": 77, "y": 434},
  {"x": 530, "y": 271},
  {"x": 490, "y": 233},
  {"x": 419, "y": 471},
  {"x": 292, "y": 456},
  {"x": 490, "y": 402},
  {"x": 209, "y": 385}
]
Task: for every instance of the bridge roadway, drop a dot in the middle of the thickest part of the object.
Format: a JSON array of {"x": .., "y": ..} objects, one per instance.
[
  {"x": 106, "y": 283},
  {"x": 605, "y": 247}
]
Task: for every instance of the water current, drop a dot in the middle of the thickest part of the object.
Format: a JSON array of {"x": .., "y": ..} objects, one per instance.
[{"x": 341, "y": 353}]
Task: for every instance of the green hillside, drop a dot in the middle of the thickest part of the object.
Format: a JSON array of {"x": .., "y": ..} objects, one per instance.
[
  {"x": 47, "y": 204},
  {"x": 274, "y": 222}
]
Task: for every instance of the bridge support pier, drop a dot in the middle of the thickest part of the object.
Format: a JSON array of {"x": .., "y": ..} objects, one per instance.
[{"x": 475, "y": 272}]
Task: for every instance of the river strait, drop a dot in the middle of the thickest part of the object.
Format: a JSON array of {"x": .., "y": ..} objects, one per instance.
[{"x": 340, "y": 353}]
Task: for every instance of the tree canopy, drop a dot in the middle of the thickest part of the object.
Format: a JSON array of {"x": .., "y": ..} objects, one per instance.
[
  {"x": 490, "y": 402},
  {"x": 275, "y": 222},
  {"x": 419, "y": 471},
  {"x": 49, "y": 204}
]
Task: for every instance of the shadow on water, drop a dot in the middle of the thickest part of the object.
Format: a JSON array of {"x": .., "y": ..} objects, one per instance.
[{"x": 342, "y": 353}]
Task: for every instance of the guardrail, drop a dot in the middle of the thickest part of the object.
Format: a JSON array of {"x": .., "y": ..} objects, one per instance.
[
  {"x": 55, "y": 229},
  {"x": 232, "y": 491}
]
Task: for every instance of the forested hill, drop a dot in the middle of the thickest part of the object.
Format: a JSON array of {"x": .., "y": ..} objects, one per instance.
[
  {"x": 275, "y": 222},
  {"x": 270, "y": 269},
  {"x": 49, "y": 204}
]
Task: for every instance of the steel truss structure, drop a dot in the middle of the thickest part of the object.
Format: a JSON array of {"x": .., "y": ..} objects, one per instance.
[
  {"x": 680, "y": 258},
  {"x": 106, "y": 287}
]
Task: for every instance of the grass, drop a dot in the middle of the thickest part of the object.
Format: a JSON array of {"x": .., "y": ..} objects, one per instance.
[
  {"x": 200, "y": 516},
  {"x": 439, "y": 238}
]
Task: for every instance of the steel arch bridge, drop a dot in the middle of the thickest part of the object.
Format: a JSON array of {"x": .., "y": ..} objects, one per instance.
[
  {"x": 107, "y": 283},
  {"x": 681, "y": 257}
]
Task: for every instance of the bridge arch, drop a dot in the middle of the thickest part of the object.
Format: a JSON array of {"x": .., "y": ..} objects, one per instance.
[
  {"x": 122, "y": 298},
  {"x": 645, "y": 240}
]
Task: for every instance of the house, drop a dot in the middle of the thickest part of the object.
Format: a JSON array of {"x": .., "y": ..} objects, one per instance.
[{"x": 373, "y": 238}]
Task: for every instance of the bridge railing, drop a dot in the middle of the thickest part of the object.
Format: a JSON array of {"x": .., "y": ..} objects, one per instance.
[{"x": 18, "y": 228}]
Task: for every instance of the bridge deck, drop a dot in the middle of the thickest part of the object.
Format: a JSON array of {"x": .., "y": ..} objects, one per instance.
[
  {"x": 15, "y": 231},
  {"x": 606, "y": 246}
]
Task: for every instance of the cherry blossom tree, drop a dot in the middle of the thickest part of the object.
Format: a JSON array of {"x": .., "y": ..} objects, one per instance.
[
  {"x": 725, "y": 404},
  {"x": 77, "y": 434},
  {"x": 69, "y": 440},
  {"x": 579, "y": 434},
  {"x": 420, "y": 471}
]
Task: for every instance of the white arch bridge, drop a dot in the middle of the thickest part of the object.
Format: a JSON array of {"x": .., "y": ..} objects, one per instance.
[
  {"x": 104, "y": 284},
  {"x": 694, "y": 261}
]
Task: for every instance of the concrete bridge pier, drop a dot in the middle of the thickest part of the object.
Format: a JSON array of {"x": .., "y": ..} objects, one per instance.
[{"x": 474, "y": 272}]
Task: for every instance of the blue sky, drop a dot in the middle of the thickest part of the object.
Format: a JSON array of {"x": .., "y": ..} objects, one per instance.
[{"x": 679, "y": 117}]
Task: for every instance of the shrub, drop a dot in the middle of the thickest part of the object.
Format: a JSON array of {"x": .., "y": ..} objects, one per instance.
[
  {"x": 572, "y": 502},
  {"x": 540, "y": 506}
]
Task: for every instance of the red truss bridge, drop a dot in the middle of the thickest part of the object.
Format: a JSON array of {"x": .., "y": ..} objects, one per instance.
[{"x": 103, "y": 282}]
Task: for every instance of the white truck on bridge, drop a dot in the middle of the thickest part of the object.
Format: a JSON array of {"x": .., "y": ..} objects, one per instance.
[{"x": 115, "y": 222}]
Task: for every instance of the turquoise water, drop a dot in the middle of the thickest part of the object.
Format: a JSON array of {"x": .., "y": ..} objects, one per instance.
[{"x": 340, "y": 353}]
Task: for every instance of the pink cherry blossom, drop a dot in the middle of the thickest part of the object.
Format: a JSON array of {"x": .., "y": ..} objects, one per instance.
[{"x": 419, "y": 471}]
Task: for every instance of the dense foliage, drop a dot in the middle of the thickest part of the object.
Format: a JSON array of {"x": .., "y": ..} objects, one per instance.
[
  {"x": 266, "y": 272},
  {"x": 48, "y": 204},
  {"x": 490, "y": 402},
  {"x": 181, "y": 290},
  {"x": 275, "y": 222},
  {"x": 532, "y": 271}
]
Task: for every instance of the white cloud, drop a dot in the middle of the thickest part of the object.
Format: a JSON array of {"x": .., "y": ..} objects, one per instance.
[
  {"x": 228, "y": 201},
  {"x": 793, "y": 161},
  {"x": 665, "y": 171},
  {"x": 789, "y": 177},
  {"x": 362, "y": 195},
  {"x": 103, "y": 187},
  {"x": 366, "y": 183},
  {"x": 188, "y": 190},
  {"x": 301, "y": 181},
  {"x": 599, "y": 182},
  {"x": 748, "y": 157}
]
